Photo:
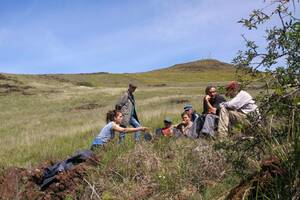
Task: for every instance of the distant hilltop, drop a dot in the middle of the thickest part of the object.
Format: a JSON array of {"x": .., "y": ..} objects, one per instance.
[
  {"x": 200, "y": 65},
  {"x": 194, "y": 66}
]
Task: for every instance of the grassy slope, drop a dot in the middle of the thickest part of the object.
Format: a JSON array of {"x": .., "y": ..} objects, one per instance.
[{"x": 42, "y": 119}]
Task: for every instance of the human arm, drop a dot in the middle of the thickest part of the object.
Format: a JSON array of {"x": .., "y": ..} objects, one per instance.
[
  {"x": 211, "y": 109},
  {"x": 240, "y": 100},
  {"x": 122, "y": 101},
  {"x": 118, "y": 128},
  {"x": 217, "y": 103}
]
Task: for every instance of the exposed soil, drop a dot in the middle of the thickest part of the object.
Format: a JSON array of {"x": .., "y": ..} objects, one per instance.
[
  {"x": 179, "y": 101},
  {"x": 7, "y": 88},
  {"x": 88, "y": 106},
  {"x": 158, "y": 85},
  {"x": 7, "y": 78},
  {"x": 19, "y": 183}
]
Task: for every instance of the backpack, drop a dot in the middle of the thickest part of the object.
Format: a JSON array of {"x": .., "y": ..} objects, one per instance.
[{"x": 199, "y": 124}]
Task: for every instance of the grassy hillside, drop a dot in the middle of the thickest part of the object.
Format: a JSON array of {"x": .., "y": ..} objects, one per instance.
[{"x": 48, "y": 117}]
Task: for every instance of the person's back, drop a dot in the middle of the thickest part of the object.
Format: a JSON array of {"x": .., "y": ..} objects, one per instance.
[
  {"x": 243, "y": 101},
  {"x": 105, "y": 134},
  {"x": 235, "y": 110}
]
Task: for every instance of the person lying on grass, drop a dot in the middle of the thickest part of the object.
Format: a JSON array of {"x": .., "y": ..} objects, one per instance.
[{"x": 113, "y": 119}]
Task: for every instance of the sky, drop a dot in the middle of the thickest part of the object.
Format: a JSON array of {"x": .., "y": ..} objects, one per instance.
[{"x": 85, "y": 36}]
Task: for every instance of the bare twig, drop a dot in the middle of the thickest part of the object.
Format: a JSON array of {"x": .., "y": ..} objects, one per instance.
[{"x": 93, "y": 189}]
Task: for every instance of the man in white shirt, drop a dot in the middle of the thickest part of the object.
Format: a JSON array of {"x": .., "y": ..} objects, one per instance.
[{"x": 235, "y": 110}]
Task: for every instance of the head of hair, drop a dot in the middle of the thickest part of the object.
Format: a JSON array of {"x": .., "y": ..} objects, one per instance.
[
  {"x": 110, "y": 115},
  {"x": 233, "y": 85},
  {"x": 185, "y": 113},
  {"x": 207, "y": 89}
]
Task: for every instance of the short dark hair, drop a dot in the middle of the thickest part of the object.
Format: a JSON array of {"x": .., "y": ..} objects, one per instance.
[{"x": 131, "y": 85}]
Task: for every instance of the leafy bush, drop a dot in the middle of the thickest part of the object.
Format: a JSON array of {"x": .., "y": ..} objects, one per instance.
[{"x": 276, "y": 134}]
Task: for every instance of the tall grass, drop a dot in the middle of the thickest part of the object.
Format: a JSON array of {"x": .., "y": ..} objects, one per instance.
[{"x": 48, "y": 123}]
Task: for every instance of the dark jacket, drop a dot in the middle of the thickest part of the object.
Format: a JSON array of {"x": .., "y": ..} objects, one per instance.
[
  {"x": 215, "y": 102},
  {"x": 194, "y": 116}
]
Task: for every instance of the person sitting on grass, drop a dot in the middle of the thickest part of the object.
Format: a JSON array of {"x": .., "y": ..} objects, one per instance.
[
  {"x": 211, "y": 110},
  {"x": 186, "y": 127},
  {"x": 236, "y": 110},
  {"x": 113, "y": 119},
  {"x": 167, "y": 130},
  {"x": 192, "y": 113}
]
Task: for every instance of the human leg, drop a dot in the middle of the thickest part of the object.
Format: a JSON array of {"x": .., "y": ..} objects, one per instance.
[
  {"x": 135, "y": 124},
  {"x": 238, "y": 118},
  {"x": 122, "y": 136},
  {"x": 223, "y": 122},
  {"x": 209, "y": 125}
]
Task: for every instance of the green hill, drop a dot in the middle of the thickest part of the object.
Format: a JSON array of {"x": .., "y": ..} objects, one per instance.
[
  {"x": 192, "y": 73},
  {"x": 50, "y": 116},
  {"x": 200, "y": 66}
]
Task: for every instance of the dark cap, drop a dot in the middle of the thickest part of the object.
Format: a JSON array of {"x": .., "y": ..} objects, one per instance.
[
  {"x": 168, "y": 120},
  {"x": 187, "y": 107}
]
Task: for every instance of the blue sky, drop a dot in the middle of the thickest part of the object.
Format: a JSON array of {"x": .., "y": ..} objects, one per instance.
[{"x": 74, "y": 36}]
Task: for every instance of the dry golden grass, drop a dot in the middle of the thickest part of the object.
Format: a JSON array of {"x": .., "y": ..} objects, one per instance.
[{"x": 49, "y": 116}]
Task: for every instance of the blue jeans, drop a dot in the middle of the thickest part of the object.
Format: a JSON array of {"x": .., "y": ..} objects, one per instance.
[{"x": 133, "y": 122}]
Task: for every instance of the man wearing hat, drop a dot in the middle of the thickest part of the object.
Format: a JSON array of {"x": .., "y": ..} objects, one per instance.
[
  {"x": 167, "y": 130},
  {"x": 189, "y": 109},
  {"x": 127, "y": 106},
  {"x": 235, "y": 110}
]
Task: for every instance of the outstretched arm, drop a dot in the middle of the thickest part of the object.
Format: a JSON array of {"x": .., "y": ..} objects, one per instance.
[{"x": 128, "y": 130}]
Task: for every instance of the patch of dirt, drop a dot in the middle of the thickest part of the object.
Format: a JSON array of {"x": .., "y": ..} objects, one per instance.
[
  {"x": 179, "y": 101},
  {"x": 7, "y": 88},
  {"x": 158, "y": 85},
  {"x": 19, "y": 183},
  {"x": 89, "y": 106},
  {"x": 7, "y": 78}
]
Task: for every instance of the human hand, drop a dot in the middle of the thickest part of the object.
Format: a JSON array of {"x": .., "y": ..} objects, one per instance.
[
  {"x": 207, "y": 97},
  {"x": 144, "y": 128},
  {"x": 212, "y": 110}
]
